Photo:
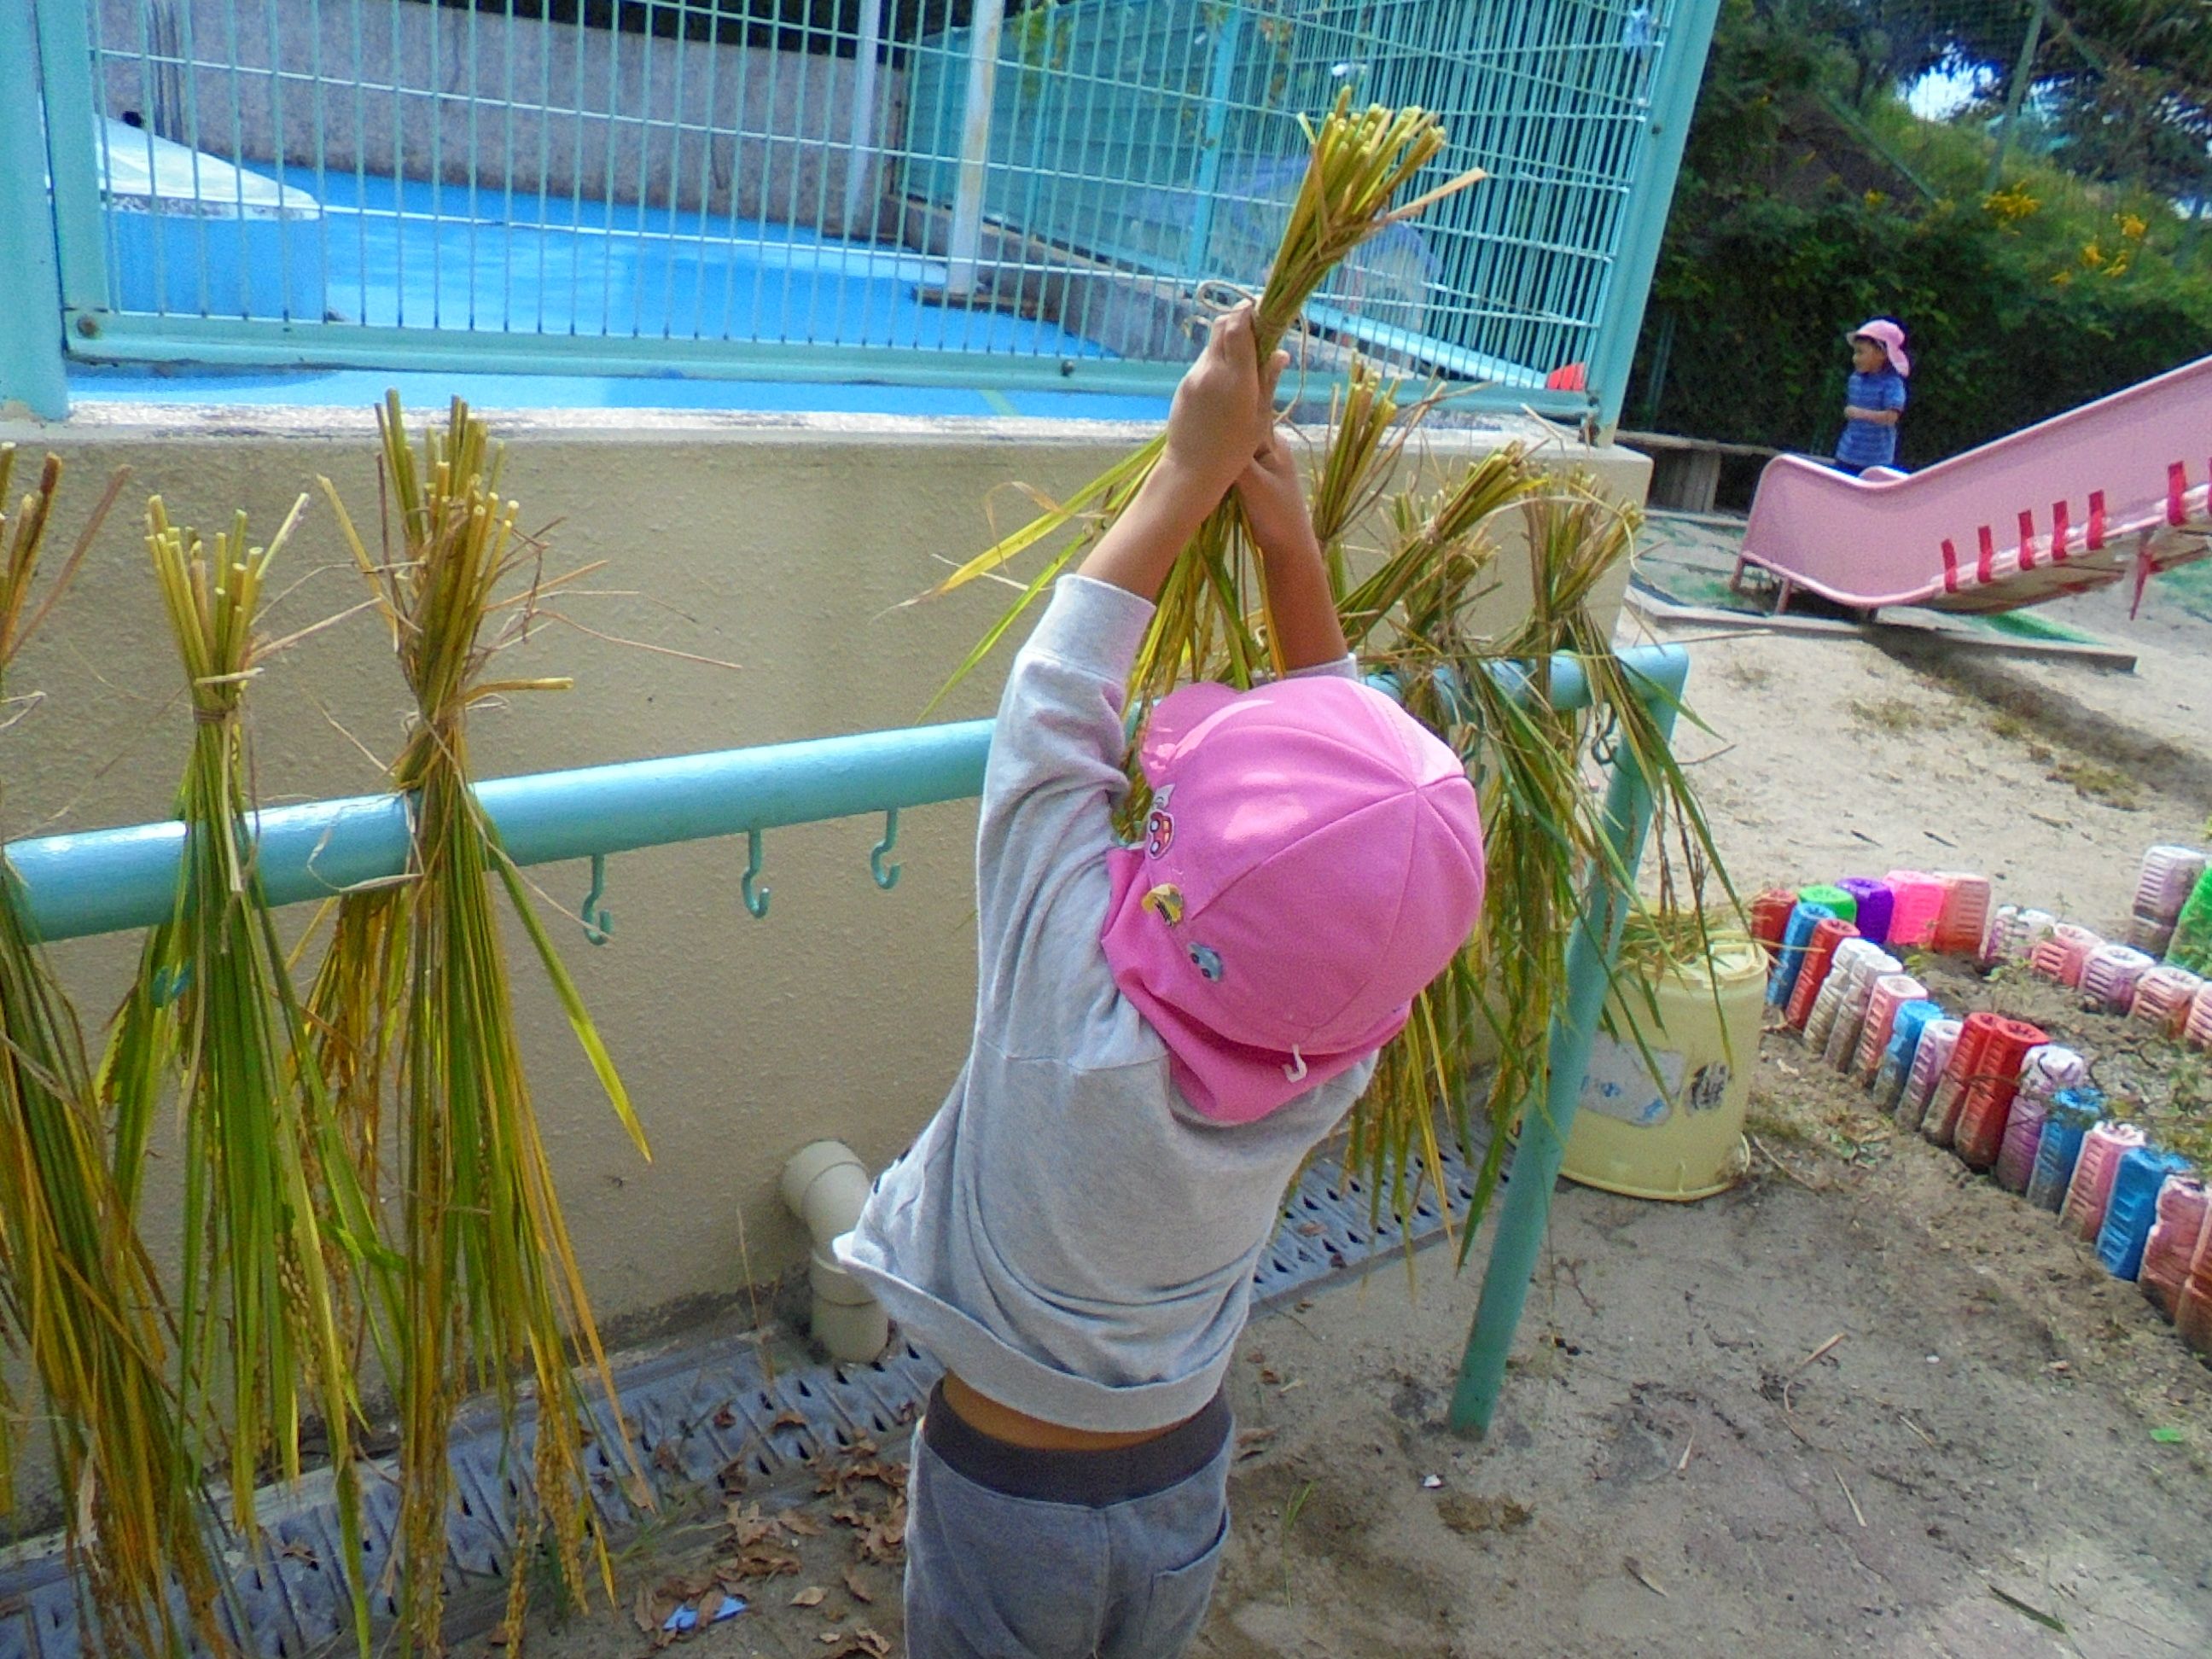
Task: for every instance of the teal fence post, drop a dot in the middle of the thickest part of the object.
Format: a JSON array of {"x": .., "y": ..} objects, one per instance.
[
  {"x": 1544, "y": 1128},
  {"x": 1225, "y": 40},
  {"x": 1650, "y": 193},
  {"x": 32, "y": 367}
]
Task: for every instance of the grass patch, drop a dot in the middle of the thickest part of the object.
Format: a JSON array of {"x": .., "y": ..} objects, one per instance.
[
  {"x": 1892, "y": 714},
  {"x": 2094, "y": 781},
  {"x": 1770, "y": 1119}
]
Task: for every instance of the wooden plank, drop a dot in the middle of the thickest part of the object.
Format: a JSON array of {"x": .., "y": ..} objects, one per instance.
[
  {"x": 1924, "y": 625},
  {"x": 1669, "y": 441}
]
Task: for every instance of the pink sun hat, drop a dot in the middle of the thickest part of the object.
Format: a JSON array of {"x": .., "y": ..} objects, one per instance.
[
  {"x": 1312, "y": 859},
  {"x": 1890, "y": 338}
]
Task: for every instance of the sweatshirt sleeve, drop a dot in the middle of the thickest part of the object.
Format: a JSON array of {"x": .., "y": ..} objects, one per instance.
[{"x": 1054, "y": 777}]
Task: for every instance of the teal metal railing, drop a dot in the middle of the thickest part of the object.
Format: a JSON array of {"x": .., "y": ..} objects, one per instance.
[
  {"x": 106, "y": 880},
  {"x": 1001, "y": 193}
]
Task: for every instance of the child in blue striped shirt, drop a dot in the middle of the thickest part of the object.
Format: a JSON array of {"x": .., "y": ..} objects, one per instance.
[{"x": 1875, "y": 401}]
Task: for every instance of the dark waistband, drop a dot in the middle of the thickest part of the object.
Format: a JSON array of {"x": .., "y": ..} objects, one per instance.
[{"x": 1093, "y": 1478}]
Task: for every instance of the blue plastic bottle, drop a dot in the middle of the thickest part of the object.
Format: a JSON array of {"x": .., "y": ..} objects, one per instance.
[
  {"x": 2134, "y": 1208},
  {"x": 1803, "y": 918},
  {"x": 2073, "y": 1113},
  {"x": 1889, "y": 1082}
]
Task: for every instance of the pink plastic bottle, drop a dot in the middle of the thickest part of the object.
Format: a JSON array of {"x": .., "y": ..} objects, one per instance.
[
  {"x": 2091, "y": 1190},
  {"x": 2111, "y": 973},
  {"x": 2023, "y": 1134},
  {"x": 1965, "y": 917},
  {"x": 1916, "y": 907},
  {"x": 1937, "y": 1038},
  {"x": 2163, "y": 997},
  {"x": 2062, "y": 954},
  {"x": 2192, "y": 1312},
  {"x": 1891, "y": 992},
  {"x": 2198, "y": 1028},
  {"x": 2182, "y": 1207},
  {"x": 2164, "y": 883}
]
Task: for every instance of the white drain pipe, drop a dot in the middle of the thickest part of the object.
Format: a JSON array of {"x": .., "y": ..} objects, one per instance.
[{"x": 825, "y": 1184}]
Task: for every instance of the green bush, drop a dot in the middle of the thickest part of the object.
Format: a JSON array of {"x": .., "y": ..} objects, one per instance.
[
  {"x": 2018, "y": 306},
  {"x": 1761, "y": 305}
]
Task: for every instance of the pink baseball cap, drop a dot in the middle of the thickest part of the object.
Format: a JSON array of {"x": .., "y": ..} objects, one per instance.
[
  {"x": 1312, "y": 859},
  {"x": 1890, "y": 338}
]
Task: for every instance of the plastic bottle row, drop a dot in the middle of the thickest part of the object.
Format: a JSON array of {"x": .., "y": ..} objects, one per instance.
[{"x": 1998, "y": 1091}]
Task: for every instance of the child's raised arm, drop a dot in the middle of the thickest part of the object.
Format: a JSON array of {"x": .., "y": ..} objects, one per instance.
[
  {"x": 1300, "y": 607},
  {"x": 1222, "y": 414}
]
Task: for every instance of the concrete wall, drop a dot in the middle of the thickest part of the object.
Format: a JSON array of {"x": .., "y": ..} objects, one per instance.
[
  {"x": 426, "y": 92},
  {"x": 782, "y": 543}
]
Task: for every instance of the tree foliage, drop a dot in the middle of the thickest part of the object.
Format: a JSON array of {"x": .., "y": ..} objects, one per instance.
[{"x": 1791, "y": 226}]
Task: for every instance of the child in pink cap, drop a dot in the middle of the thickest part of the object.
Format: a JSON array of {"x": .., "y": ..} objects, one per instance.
[
  {"x": 1163, "y": 1032},
  {"x": 1874, "y": 398}
]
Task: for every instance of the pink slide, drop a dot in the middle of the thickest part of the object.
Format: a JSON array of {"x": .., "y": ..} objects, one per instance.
[{"x": 2117, "y": 488}]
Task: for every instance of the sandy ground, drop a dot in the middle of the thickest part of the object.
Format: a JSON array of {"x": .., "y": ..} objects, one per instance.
[{"x": 1856, "y": 1403}]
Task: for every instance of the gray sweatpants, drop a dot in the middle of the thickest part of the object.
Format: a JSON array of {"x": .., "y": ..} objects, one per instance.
[{"x": 993, "y": 1576}]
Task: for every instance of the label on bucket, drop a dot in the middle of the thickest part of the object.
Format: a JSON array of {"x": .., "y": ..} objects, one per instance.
[{"x": 1621, "y": 1085}]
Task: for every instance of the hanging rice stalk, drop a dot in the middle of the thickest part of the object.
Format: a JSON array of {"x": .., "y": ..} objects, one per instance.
[
  {"x": 78, "y": 1295},
  {"x": 414, "y": 998},
  {"x": 277, "y": 1235}
]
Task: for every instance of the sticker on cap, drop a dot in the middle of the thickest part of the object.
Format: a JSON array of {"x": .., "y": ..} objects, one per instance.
[
  {"x": 1165, "y": 902},
  {"x": 1159, "y": 825}
]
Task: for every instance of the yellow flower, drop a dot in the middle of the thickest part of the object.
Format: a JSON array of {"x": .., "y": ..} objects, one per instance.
[
  {"x": 2133, "y": 228},
  {"x": 2119, "y": 267},
  {"x": 2010, "y": 205},
  {"x": 1874, "y": 198},
  {"x": 2092, "y": 256},
  {"x": 2064, "y": 279}
]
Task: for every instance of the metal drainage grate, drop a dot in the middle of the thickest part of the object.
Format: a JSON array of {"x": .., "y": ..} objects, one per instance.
[{"x": 695, "y": 1413}]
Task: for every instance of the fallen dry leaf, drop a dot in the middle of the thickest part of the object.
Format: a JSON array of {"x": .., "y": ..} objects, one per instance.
[
  {"x": 810, "y": 1597},
  {"x": 1636, "y": 1571},
  {"x": 789, "y": 1420},
  {"x": 1269, "y": 1374},
  {"x": 804, "y": 1526},
  {"x": 726, "y": 1418},
  {"x": 1252, "y": 1441},
  {"x": 855, "y": 1586}
]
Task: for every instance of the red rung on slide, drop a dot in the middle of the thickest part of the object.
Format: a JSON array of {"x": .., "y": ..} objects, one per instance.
[
  {"x": 2058, "y": 529},
  {"x": 2096, "y": 521},
  {"x": 1950, "y": 566},
  {"x": 2026, "y": 539},
  {"x": 2177, "y": 486},
  {"x": 1984, "y": 571}
]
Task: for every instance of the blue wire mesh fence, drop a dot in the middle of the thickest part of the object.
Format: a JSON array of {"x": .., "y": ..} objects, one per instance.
[{"x": 1007, "y": 190}]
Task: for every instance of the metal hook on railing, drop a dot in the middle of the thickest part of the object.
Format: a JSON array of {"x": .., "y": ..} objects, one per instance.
[
  {"x": 755, "y": 900},
  {"x": 886, "y": 878},
  {"x": 599, "y": 920}
]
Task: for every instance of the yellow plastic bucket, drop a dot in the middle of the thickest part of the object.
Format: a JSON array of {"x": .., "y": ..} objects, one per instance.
[{"x": 1679, "y": 1135}]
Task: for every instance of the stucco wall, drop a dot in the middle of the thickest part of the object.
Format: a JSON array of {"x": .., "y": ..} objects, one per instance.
[{"x": 785, "y": 544}]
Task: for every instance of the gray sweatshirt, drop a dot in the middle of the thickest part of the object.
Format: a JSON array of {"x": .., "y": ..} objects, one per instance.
[{"x": 1068, "y": 1235}]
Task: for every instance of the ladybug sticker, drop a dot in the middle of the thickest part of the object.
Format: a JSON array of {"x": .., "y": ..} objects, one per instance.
[{"x": 1159, "y": 826}]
